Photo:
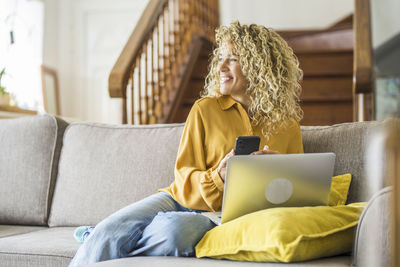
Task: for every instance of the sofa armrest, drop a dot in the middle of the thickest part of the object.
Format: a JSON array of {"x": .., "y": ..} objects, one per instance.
[{"x": 373, "y": 242}]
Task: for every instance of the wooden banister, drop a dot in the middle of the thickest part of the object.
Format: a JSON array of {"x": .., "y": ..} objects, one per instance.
[
  {"x": 154, "y": 60},
  {"x": 362, "y": 48},
  {"x": 362, "y": 67},
  {"x": 118, "y": 79}
]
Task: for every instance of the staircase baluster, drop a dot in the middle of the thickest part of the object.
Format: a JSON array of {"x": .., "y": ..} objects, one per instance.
[
  {"x": 187, "y": 25},
  {"x": 167, "y": 86},
  {"x": 172, "y": 38},
  {"x": 139, "y": 93},
  {"x": 210, "y": 17},
  {"x": 158, "y": 72},
  {"x": 152, "y": 106},
  {"x": 197, "y": 11},
  {"x": 177, "y": 30},
  {"x": 124, "y": 110},
  {"x": 145, "y": 85},
  {"x": 132, "y": 92},
  {"x": 183, "y": 31},
  {"x": 162, "y": 64},
  {"x": 164, "y": 76}
]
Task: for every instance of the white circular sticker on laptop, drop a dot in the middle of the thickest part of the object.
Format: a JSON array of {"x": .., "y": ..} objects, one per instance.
[{"x": 279, "y": 191}]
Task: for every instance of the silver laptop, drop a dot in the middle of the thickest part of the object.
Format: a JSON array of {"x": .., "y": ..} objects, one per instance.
[{"x": 256, "y": 182}]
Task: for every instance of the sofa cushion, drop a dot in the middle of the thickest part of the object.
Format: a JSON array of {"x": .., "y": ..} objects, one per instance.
[
  {"x": 51, "y": 247},
  {"x": 29, "y": 151},
  {"x": 10, "y": 230},
  {"x": 349, "y": 142},
  {"x": 341, "y": 261},
  {"x": 104, "y": 168},
  {"x": 340, "y": 186},
  {"x": 290, "y": 234}
]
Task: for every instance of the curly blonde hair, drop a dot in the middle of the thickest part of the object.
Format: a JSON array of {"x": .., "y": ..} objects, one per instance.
[{"x": 272, "y": 71}]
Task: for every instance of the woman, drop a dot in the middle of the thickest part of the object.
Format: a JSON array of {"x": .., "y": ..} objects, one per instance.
[{"x": 252, "y": 89}]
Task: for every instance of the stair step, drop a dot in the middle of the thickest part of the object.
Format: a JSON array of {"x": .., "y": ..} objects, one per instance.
[
  {"x": 332, "y": 40},
  {"x": 324, "y": 52},
  {"x": 339, "y": 63},
  {"x": 346, "y": 22},
  {"x": 327, "y": 113},
  {"x": 326, "y": 88}
]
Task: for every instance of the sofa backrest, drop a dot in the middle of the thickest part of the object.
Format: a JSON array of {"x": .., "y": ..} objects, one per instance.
[
  {"x": 29, "y": 151},
  {"x": 349, "y": 141},
  {"x": 103, "y": 168}
]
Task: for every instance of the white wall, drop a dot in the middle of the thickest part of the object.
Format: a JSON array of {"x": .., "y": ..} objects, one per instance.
[
  {"x": 82, "y": 41},
  {"x": 385, "y": 16},
  {"x": 51, "y": 34},
  {"x": 286, "y": 14}
]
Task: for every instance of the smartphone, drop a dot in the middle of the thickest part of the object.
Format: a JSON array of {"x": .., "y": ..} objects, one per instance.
[{"x": 246, "y": 144}]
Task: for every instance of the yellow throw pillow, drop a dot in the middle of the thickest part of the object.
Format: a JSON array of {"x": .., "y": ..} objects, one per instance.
[
  {"x": 284, "y": 234},
  {"x": 339, "y": 189}
]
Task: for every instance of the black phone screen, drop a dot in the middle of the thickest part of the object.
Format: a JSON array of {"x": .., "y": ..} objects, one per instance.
[{"x": 246, "y": 144}]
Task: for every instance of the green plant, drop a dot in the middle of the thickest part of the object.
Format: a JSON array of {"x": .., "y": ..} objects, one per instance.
[{"x": 2, "y": 88}]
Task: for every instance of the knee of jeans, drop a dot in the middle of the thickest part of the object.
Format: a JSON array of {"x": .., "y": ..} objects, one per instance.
[
  {"x": 181, "y": 231},
  {"x": 106, "y": 230}
]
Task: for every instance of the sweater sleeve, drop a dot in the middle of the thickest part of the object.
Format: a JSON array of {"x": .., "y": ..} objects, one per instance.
[{"x": 198, "y": 185}]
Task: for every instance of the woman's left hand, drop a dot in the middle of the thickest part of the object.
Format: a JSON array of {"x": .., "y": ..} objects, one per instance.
[{"x": 265, "y": 150}]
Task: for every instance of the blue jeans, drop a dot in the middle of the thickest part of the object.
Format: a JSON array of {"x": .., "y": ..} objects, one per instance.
[{"x": 154, "y": 226}]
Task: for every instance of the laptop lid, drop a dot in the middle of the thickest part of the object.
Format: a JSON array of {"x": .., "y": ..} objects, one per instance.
[{"x": 256, "y": 182}]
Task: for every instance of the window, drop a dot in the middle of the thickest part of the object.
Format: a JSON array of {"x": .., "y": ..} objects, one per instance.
[{"x": 21, "y": 44}]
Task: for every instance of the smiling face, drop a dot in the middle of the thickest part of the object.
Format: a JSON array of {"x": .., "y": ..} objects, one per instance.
[{"x": 232, "y": 81}]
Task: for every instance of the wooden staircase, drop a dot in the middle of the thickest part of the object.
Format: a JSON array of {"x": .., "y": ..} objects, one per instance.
[
  {"x": 163, "y": 65},
  {"x": 326, "y": 58},
  {"x": 191, "y": 89},
  {"x": 162, "y": 68}
]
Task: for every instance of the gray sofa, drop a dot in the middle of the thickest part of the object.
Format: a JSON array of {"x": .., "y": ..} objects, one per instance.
[{"x": 55, "y": 176}]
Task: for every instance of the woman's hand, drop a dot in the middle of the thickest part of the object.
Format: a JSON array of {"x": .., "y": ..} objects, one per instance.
[
  {"x": 265, "y": 150},
  {"x": 222, "y": 165}
]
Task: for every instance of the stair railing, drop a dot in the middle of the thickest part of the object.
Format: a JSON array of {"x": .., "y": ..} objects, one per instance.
[{"x": 146, "y": 72}]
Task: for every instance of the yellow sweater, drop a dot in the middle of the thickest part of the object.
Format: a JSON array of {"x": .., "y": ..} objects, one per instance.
[{"x": 209, "y": 134}]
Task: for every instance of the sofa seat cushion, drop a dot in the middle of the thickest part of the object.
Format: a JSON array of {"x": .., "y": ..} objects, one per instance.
[
  {"x": 29, "y": 151},
  {"x": 104, "y": 168},
  {"x": 340, "y": 261},
  {"x": 10, "y": 230},
  {"x": 50, "y": 247}
]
